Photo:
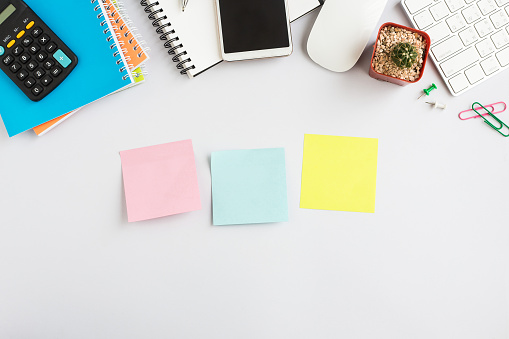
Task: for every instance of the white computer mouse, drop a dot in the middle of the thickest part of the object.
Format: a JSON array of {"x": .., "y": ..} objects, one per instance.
[{"x": 341, "y": 32}]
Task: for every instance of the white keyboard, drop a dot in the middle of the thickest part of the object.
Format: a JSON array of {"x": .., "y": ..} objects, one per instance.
[{"x": 469, "y": 38}]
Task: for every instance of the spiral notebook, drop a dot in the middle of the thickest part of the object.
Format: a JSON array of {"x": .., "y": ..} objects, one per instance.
[
  {"x": 134, "y": 53},
  {"x": 101, "y": 69},
  {"x": 191, "y": 37}
]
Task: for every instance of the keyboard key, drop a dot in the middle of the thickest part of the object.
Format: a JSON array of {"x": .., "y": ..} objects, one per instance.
[
  {"x": 501, "y": 3},
  {"x": 8, "y": 60},
  {"x": 41, "y": 56},
  {"x": 46, "y": 80},
  {"x": 484, "y": 27},
  {"x": 500, "y": 39},
  {"x": 487, "y": 6},
  {"x": 485, "y": 47},
  {"x": 439, "y": 11},
  {"x": 459, "y": 83},
  {"x": 36, "y": 32},
  {"x": 503, "y": 57},
  {"x": 48, "y": 64},
  {"x": 459, "y": 61},
  {"x": 438, "y": 32},
  {"x": 62, "y": 58},
  {"x": 25, "y": 57},
  {"x": 39, "y": 73},
  {"x": 468, "y": 36},
  {"x": 30, "y": 82},
  {"x": 32, "y": 65},
  {"x": 454, "y": 5},
  {"x": 474, "y": 74},
  {"x": 499, "y": 19},
  {"x": 34, "y": 48},
  {"x": 424, "y": 19},
  {"x": 490, "y": 65},
  {"x": 27, "y": 41},
  {"x": 11, "y": 43},
  {"x": 37, "y": 90},
  {"x": 15, "y": 67},
  {"x": 51, "y": 47},
  {"x": 456, "y": 22},
  {"x": 22, "y": 75},
  {"x": 447, "y": 48},
  {"x": 30, "y": 25},
  {"x": 415, "y": 6},
  {"x": 44, "y": 39},
  {"x": 469, "y": 1},
  {"x": 56, "y": 71},
  {"x": 20, "y": 34},
  {"x": 17, "y": 50},
  {"x": 471, "y": 13}
]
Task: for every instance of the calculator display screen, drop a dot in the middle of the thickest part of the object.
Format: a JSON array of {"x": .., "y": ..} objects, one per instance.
[{"x": 7, "y": 13}]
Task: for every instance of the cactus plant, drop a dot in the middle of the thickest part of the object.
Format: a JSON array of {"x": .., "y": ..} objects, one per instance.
[{"x": 404, "y": 55}]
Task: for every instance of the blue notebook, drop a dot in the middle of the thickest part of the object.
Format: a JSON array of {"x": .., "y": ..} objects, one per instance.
[{"x": 100, "y": 70}]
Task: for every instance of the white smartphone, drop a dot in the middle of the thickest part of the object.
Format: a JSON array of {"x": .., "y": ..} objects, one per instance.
[{"x": 252, "y": 29}]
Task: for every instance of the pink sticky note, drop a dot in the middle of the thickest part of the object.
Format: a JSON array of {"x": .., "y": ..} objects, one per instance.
[{"x": 160, "y": 180}]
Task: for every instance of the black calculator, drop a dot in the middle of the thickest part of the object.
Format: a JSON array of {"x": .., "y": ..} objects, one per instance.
[{"x": 31, "y": 55}]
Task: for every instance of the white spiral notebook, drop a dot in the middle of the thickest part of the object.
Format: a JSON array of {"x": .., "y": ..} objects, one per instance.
[{"x": 191, "y": 37}]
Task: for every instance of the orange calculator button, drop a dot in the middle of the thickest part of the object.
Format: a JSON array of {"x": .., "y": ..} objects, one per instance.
[
  {"x": 20, "y": 34},
  {"x": 30, "y": 24},
  {"x": 10, "y": 44}
]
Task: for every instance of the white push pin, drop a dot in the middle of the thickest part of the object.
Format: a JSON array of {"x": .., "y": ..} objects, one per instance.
[{"x": 437, "y": 104}]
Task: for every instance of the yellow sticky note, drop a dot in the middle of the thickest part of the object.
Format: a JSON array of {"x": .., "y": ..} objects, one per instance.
[{"x": 339, "y": 173}]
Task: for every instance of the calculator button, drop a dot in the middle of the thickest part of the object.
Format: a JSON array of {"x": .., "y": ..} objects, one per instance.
[
  {"x": 51, "y": 47},
  {"x": 62, "y": 58},
  {"x": 34, "y": 48},
  {"x": 39, "y": 73},
  {"x": 11, "y": 43},
  {"x": 44, "y": 39},
  {"x": 37, "y": 90},
  {"x": 36, "y": 32},
  {"x": 48, "y": 64},
  {"x": 27, "y": 41},
  {"x": 30, "y": 25},
  {"x": 30, "y": 82},
  {"x": 17, "y": 50},
  {"x": 41, "y": 56},
  {"x": 22, "y": 75},
  {"x": 15, "y": 67},
  {"x": 46, "y": 80},
  {"x": 20, "y": 34},
  {"x": 56, "y": 71},
  {"x": 8, "y": 60},
  {"x": 25, "y": 57},
  {"x": 2, "y": 51},
  {"x": 32, "y": 65}
]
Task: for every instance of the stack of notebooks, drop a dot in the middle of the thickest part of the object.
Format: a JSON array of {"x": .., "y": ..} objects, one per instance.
[
  {"x": 111, "y": 57},
  {"x": 109, "y": 60}
]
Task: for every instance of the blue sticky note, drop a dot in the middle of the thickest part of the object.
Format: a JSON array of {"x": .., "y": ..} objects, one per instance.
[{"x": 249, "y": 186}]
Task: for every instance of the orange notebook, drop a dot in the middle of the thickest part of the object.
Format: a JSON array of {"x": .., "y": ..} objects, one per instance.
[{"x": 133, "y": 52}]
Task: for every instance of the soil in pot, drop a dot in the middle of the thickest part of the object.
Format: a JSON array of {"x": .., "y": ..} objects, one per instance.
[{"x": 390, "y": 37}]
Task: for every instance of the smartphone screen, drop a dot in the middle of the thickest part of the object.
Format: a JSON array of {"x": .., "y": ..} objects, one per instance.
[{"x": 249, "y": 25}]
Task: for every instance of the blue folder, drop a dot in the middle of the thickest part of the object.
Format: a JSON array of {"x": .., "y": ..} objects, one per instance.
[{"x": 96, "y": 75}]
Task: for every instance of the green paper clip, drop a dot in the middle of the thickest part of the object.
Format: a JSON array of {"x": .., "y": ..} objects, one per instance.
[{"x": 493, "y": 116}]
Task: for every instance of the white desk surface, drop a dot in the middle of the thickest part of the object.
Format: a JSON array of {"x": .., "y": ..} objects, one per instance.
[{"x": 432, "y": 262}]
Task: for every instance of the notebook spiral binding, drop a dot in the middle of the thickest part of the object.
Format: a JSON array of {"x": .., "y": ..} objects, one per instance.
[
  {"x": 160, "y": 21},
  {"x": 110, "y": 38},
  {"x": 125, "y": 29}
]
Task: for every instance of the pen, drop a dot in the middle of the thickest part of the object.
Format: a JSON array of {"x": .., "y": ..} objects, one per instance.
[{"x": 184, "y": 4}]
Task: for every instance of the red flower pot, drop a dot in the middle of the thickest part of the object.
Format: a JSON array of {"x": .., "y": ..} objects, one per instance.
[{"x": 388, "y": 78}]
